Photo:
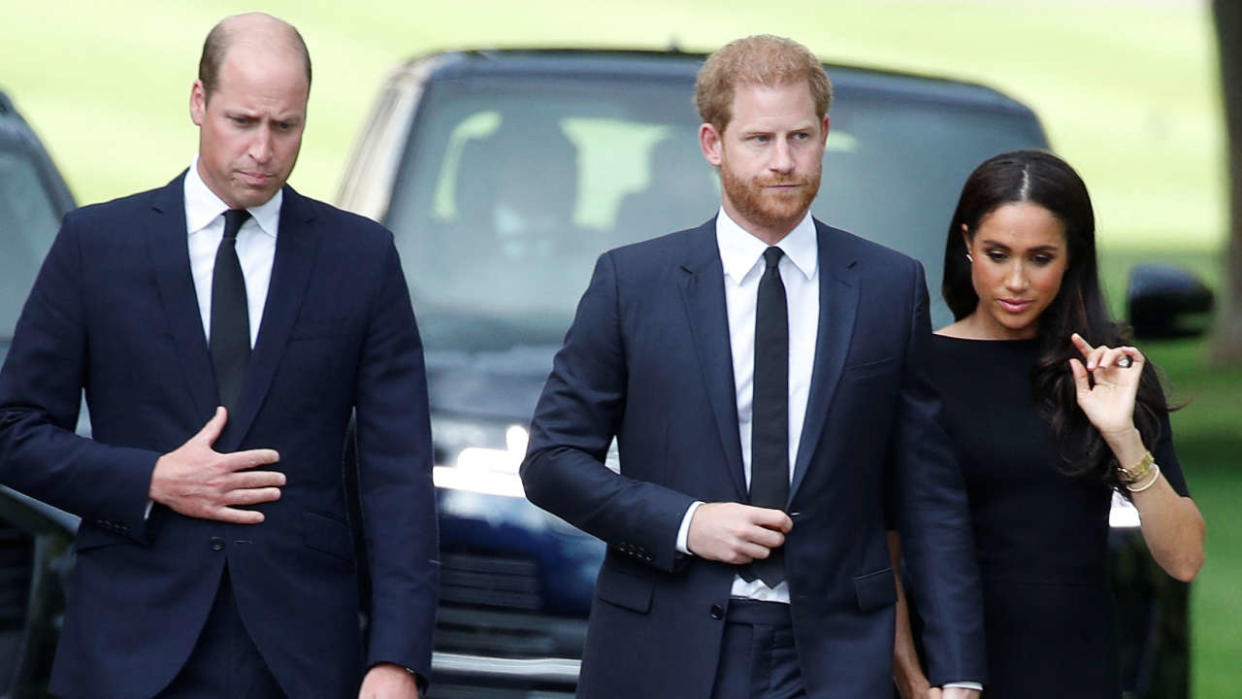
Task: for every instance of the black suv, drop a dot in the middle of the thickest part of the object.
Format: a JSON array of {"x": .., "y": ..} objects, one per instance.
[
  {"x": 504, "y": 174},
  {"x": 34, "y": 538}
]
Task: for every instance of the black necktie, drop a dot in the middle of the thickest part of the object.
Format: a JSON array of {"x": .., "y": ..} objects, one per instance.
[
  {"x": 769, "y": 445},
  {"x": 230, "y": 319}
]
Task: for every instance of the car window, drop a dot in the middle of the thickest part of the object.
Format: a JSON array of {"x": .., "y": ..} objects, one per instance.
[
  {"x": 28, "y": 223},
  {"x": 893, "y": 171},
  {"x": 509, "y": 193},
  {"x": 509, "y": 190}
]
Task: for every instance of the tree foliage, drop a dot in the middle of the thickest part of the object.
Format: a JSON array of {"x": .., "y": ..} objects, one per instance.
[{"x": 1228, "y": 19}]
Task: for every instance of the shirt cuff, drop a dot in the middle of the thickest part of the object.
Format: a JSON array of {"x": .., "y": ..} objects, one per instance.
[
  {"x": 965, "y": 685},
  {"x": 683, "y": 533}
]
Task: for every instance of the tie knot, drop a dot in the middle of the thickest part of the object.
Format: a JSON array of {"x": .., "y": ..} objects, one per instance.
[
  {"x": 233, "y": 220},
  {"x": 772, "y": 257}
]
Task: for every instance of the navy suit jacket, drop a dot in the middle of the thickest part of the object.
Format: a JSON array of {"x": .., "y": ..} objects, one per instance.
[
  {"x": 114, "y": 312},
  {"x": 648, "y": 360}
]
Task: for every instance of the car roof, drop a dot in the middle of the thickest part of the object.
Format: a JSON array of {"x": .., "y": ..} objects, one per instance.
[
  {"x": 13, "y": 127},
  {"x": 16, "y": 133},
  {"x": 680, "y": 66}
]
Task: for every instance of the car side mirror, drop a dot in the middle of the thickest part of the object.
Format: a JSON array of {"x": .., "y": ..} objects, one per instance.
[{"x": 1164, "y": 301}]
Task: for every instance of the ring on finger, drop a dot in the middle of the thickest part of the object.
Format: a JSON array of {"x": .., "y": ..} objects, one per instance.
[{"x": 1125, "y": 362}]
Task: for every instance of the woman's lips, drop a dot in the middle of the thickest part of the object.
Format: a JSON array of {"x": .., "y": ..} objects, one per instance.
[{"x": 1014, "y": 305}]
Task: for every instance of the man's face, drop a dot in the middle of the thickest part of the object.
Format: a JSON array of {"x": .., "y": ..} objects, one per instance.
[
  {"x": 770, "y": 156},
  {"x": 251, "y": 128}
]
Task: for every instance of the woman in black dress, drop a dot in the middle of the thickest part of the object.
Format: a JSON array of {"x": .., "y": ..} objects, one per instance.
[{"x": 1050, "y": 412}]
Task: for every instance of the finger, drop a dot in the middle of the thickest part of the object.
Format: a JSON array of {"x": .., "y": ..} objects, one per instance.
[
  {"x": 256, "y": 479},
  {"x": 249, "y": 459},
  {"x": 1083, "y": 346},
  {"x": 1112, "y": 356},
  {"x": 1093, "y": 359},
  {"x": 1080, "y": 376},
  {"x": 750, "y": 552},
  {"x": 236, "y": 516},
  {"x": 771, "y": 519},
  {"x": 251, "y": 496},
  {"x": 1105, "y": 358},
  {"x": 1135, "y": 356},
  {"x": 211, "y": 431},
  {"x": 767, "y": 538}
]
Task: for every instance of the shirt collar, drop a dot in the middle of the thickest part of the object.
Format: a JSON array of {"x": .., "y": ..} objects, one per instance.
[
  {"x": 740, "y": 251},
  {"x": 202, "y": 206}
]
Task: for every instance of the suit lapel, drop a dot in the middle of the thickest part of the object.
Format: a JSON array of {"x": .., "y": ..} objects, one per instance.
[
  {"x": 296, "y": 243},
  {"x": 165, "y": 232},
  {"x": 702, "y": 292},
  {"x": 838, "y": 305}
]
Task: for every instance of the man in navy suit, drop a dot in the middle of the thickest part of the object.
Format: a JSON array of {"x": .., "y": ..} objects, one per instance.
[
  {"x": 765, "y": 378},
  {"x": 214, "y": 556}
]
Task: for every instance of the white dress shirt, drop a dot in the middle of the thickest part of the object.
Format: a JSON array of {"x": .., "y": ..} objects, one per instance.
[
  {"x": 256, "y": 249},
  {"x": 741, "y": 255},
  {"x": 256, "y": 246}
]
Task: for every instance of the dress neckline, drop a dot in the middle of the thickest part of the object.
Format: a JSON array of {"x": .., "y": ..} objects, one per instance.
[{"x": 989, "y": 341}]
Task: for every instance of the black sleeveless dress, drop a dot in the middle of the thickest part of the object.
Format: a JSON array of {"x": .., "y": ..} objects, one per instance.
[{"x": 1041, "y": 536}]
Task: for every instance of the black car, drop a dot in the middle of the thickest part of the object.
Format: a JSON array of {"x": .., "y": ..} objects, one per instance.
[
  {"x": 34, "y": 538},
  {"x": 504, "y": 174}
]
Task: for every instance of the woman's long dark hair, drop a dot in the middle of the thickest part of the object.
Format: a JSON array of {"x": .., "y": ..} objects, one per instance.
[{"x": 1044, "y": 179}]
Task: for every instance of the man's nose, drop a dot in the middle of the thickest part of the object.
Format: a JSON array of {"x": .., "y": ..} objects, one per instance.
[
  {"x": 261, "y": 146},
  {"x": 782, "y": 157}
]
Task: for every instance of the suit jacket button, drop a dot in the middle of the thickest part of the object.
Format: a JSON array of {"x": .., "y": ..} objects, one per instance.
[
  {"x": 217, "y": 544},
  {"x": 717, "y": 611}
]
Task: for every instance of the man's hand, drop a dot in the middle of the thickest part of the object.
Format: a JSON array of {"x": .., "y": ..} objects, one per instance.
[
  {"x": 734, "y": 533},
  {"x": 388, "y": 681},
  {"x": 959, "y": 693},
  {"x": 197, "y": 481}
]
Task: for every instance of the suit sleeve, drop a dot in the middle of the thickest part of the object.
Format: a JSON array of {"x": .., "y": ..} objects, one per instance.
[
  {"x": 40, "y": 397},
  {"x": 395, "y": 483},
  {"x": 933, "y": 517},
  {"x": 577, "y": 417}
]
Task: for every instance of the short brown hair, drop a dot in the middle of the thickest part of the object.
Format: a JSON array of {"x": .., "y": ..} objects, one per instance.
[
  {"x": 762, "y": 59},
  {"x": 218, "y": 42}
]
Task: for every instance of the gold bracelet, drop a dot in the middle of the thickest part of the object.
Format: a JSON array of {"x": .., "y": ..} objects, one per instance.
[
  {"x": 1155, "y": 476},
  {"x": 1139, "y": 472}
]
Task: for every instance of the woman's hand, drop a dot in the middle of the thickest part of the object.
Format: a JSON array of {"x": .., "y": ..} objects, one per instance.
[
  {"x": 917, "y": 688},
  {"x": 1106, "y": 387}
]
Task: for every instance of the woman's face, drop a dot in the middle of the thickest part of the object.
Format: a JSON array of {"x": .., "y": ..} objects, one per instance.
[{"x": 1019, "y": 257}]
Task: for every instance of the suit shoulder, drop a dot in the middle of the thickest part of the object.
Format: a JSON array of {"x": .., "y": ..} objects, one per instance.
[
  {"x": 345, "y": 227},
  {"x": 345, "y": 222},
  {"x": 356, "y": 224},
  {"x": 843, "y": 243},
  {"x": 119, "y": 208},
  {"x": 662, "y": 249}
]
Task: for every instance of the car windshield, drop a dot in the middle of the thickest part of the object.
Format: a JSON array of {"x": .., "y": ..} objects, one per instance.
[
  {"x": 28, "y": 222},
  {"x": 509, "y": 190}
]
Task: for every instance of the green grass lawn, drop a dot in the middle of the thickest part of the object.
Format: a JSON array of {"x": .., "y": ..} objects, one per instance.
[{"x": 1126, "y": 91}]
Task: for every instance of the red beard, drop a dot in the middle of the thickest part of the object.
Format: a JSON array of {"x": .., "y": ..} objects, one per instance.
[{"x": 772, "y": 209}]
